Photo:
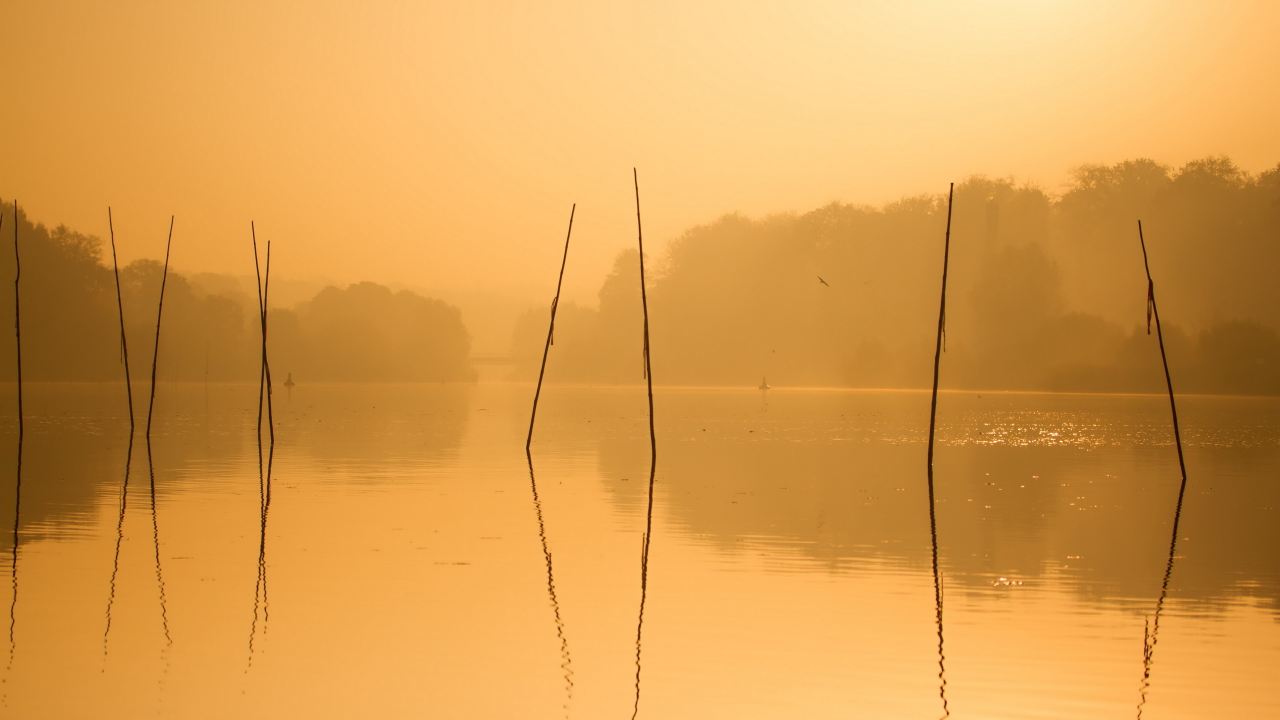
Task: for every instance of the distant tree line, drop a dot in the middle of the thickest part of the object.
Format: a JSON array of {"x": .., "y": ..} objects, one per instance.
[
  {"x": 1047, "y": 291},
  {"x": 71, "y": 330}
]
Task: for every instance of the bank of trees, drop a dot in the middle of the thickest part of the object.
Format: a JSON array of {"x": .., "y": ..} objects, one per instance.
[
  {"x": 1047, "y": 291},
  {"x": 71, "y": 331}
]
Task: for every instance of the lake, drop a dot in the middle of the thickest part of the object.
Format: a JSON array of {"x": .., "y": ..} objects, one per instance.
[{"x": 389, "y": 557}]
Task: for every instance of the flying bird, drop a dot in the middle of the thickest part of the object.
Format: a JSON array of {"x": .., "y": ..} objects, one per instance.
[{"x": 824, "y": 282}]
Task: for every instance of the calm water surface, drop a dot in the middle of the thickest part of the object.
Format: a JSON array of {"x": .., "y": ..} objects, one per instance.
[{"x": 402, "y": 570}]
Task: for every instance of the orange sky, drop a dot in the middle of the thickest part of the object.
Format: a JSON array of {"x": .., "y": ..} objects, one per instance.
[{"x": 441, "y": 144}]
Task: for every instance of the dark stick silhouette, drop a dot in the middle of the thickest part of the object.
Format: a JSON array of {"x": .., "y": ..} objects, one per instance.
[
  {"x": 155, "y": 356},
  {"x": 155, "y": 540},
  {"x": 1151, "y": 631},
  {"x": 933, "y": 416},
  {"x": 17, "y": 314},
  {"x": 266, "y": 361},
  {"x": 1164, "y": 359},
  {"x": 551, "y": 333},
  {"x": 124, "y": 345},
  {"x": 115, "y": 563},
  {"x": 567, "y": 662},
  {"x": 264, "y": 375},
  {"x": 653, "y": 454}
]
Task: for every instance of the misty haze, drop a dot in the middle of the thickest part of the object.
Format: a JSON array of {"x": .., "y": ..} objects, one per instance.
[{"x": 658, "y": 360}]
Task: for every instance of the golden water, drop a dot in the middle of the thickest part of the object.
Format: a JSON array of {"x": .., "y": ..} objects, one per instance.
[{"x": 402, "y": 571}]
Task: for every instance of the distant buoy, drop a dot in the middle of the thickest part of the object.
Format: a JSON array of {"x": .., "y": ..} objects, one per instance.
[
  {"x": 288, "y": 382},
  {"x": 764, "y": 383}
]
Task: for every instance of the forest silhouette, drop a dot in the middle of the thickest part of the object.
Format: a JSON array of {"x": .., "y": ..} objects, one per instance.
[
  {"x": 71, "y": 326},
  {"x": 1045, "y": 293}
]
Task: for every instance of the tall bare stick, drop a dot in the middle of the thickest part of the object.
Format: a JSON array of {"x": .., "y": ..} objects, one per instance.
[
  {"x": 155, "y": 355},
  {"x": 1152, "y": 311},
  {"x": 653, "y": 450},
  {"x": 266, "y": 361},
  {"x": 933, "y": 416},
  {"x": 1151, "y": 632},
  {"x": 551, "y": 332},
  {"x": 124, "y": 344},
  {"x": 264, "y": 372},
  {"x": 17, "y": 310}
]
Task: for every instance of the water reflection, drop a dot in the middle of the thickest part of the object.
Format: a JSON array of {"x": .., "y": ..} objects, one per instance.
[
  {"x": 115, "y": 558},
  {"x": 1151, "y": 632},
  {"x": 937, "y": 587},
  {"x": 260, "y": 601},
  {"x": 155, "y": 542},
  {"x": 566, "y": 661},
  {"x": 16, "y": 547},
  {"x": 824, "y": 477},
  {"x": 795, "y": 574}
]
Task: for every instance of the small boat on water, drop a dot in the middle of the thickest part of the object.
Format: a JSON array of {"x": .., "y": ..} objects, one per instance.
[
  {"x": 764, "y": 383},
  {"x": 288, "y": 382}
]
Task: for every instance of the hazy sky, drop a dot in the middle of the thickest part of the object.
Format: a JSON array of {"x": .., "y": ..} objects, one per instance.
[{"x": 441, "y": 144}]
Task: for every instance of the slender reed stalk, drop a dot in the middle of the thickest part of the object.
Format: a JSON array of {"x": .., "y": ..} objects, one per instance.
[
  {"x": 551, "y": 332},
  {"x": 155, "y": 355},
  {"x": 933, "y": 416},
  {"x": 1152, "y": 631},
  {"x": 653, "y": 451},
  {"x": 124, "y": 344}
]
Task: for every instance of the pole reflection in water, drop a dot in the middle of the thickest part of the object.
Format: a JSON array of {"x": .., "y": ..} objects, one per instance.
[
  {"x": 933, "y": 416},
  {"x": 115, "y": 562},
  {"x": 1151, "y": 631},
  {"x": 264, "y": 508},
  {"x": 566, "y": 663},
  {"x": 155, "y": 540},
  {"x": 17, "y": 502},
  {"x": 653, "y": 454},
  {"x": 937, "y": 600},
  {"x": 13, "y": 568}
]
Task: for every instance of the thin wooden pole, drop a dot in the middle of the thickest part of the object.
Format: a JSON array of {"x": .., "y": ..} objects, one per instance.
[
  {"x": 648, "y": 369},
  {"x": 1153, "y": 311},
  {"x": 1150, "y": 633},
  {"x": 653, "y": 450},
  {"x": 933, "y": 416},
  {"x": 17, "y": 310},
  {"x": 266, "y": 361},
  {"x": 262, "y": 363},
  {"x": 155, "y": 355},
  {"x": 551, "y": 332},
  {"x": 124, "y": 344},
  {"x": 264, "y": 372},
  {"x": 937, "y": 353}
]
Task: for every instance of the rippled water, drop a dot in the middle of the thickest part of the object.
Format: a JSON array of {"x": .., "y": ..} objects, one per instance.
[{"x": 402, "y": 570}]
